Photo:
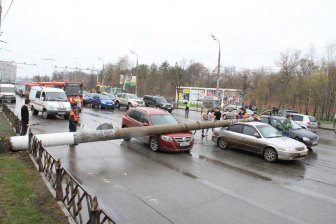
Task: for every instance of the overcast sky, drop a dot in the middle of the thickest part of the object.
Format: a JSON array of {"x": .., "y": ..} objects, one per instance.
[{"x": 75, "y": 33}]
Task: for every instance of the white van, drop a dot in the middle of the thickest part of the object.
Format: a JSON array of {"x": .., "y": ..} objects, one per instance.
[
  {"x": 7, "y": 92},
  {"x": 49, "y": 101}
]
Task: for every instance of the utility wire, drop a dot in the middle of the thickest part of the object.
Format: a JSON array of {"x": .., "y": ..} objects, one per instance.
[{"x": 7, "y": 10}]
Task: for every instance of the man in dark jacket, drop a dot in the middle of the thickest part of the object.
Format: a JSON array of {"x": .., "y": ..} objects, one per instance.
[
  {"x": 217, "y": 114},
  {"x": 24, "y": 117}
]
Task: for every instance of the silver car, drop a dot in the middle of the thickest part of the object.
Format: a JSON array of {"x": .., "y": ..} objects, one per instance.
[{"x": 260, "y": 138}]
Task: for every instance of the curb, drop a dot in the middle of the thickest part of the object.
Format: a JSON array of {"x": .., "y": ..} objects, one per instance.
[{"x": 330, "y": 129}]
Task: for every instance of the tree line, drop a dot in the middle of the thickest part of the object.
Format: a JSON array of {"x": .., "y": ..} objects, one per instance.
[{"x": 301, "y": 82}]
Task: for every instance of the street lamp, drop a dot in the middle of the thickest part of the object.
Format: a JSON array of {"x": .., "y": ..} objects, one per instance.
[
  {"x": 136, "y": 80},
  {"x": 103, "y": 76},
  {"x": 219, "y": 54}
]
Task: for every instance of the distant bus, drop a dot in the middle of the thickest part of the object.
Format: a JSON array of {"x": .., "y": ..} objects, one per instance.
[{"x": 71, "y": 89}]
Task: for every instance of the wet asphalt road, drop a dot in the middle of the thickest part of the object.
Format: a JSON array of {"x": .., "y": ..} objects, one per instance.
[{"x": 210, "y": 185}]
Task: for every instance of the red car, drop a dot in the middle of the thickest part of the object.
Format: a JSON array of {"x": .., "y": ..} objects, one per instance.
[{"x": 147, "y": 116}]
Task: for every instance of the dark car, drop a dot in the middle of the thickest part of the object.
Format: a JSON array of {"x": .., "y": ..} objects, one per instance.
[
  {"x": 111, "y": 96},
  {"x": 87, "y": 98},
  {"x": 146, "y": 116},
  {"x": 158, "y": 101},
  {"x": 297, "y": 132},
  {"x": 102, "y": 101}
]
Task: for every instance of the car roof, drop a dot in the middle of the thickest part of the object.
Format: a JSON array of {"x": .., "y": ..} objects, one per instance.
[
  {"x": 153, "y": 96},
  {"x": 275, "y": 117},
  {"x": 253, "y": 123},
  {"x": 151, "y": 110}
]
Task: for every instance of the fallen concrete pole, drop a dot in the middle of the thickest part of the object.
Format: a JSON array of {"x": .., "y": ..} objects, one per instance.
[{"x": 18, "y": 143}]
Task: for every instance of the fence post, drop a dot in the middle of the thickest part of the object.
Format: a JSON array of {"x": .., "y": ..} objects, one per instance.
[
  {"x": 30, "y": 137},
  {"x": 39, "y": 157},
  {"x": 94, "y": 212},
  {"x": 59, "y": 187}
]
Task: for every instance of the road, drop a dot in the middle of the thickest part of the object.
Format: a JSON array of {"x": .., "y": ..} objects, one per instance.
[{"x": 210, "y": 185}]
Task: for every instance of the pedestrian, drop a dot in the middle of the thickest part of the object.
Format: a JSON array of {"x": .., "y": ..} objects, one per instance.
[
  {"x": 211, "y": 117},
  {"x": 73, "y": 119},
  {"x": 242, "y": 113},
  {"x": 204, "y": 117},
  {"x": 256, "y": 117},
  {"x": 79, "y": 104},
  {"x": 217, "y": 114},
  {"x": 187, "y": 109},
  {"x": 25, "y": 117},
  {"x": 254, "y": 108},
  {"x": 287, "y": 125}
]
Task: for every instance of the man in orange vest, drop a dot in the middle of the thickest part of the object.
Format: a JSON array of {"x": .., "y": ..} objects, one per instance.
[{"x": 73, "y": 119}]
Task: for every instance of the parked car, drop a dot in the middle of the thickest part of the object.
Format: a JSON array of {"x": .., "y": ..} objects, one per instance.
[
  {"x": 297, "y": 132},
  {"x": 260, "y": 138},
  {"x": 111, "y": 96},
  {"x": 157, "y": 101},
  {"x": 147, "y": 116},
  {"x": 284, "y": 112},
  {"x": 210, "y": 102},
  {"x": 128, "y": 100},
  {"x": 233, "y": 113},
  {"x": 102, "y": 101},
  {"x": 306, "y": 121},
  {"x": 231, "y": 107},
  {"x": 87, "y": 98}
]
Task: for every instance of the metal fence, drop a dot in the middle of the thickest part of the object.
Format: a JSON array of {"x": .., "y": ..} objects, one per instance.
[{"x": 68, "y": 190}]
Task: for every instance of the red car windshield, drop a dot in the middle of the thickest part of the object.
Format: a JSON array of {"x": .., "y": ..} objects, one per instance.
[{"x": 159, "y": 119}]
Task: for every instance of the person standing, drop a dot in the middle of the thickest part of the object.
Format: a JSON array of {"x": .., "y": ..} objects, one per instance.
[
  {"x": 73, "y": 119},
  {"x": 79, "y": 104},
  {"x": 24, "y": 117},
  {"x": 187, "y": 109},
  {"x": 217, "y": 114},
  {"x": 204, "y": 118},
  {"x": 287, "y": 125}
]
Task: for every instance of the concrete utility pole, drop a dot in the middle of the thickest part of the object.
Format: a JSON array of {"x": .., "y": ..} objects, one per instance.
[
  {"x": 218, "y": 70},
  {"x": 18, "y": 143},
  {"x": 137, "y": 72},
  {"x": 103, "y": 74},
  {"x": 0, "y": 15}
]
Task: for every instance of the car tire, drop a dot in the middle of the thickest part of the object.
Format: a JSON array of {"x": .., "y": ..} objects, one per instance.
[
  {"x": 117, "y": 104},
  {"x": 222, "y": 143},
  {"x": 35, "y": 112},
  {"x": 224, "y": 117},
  {"x": 154, "y": 144},
  {"x": 99, "y": 106},
  {"x": 45, "y": 114},
  {"x": 129, "y": 105},
  {"x": 270, "y": 155}
]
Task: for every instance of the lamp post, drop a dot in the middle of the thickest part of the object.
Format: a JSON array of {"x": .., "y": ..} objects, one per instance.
[
  {"x": 218, "y": 71},
  {"x": 103, "y": 76},
  {"x": 136, "y": 77}
]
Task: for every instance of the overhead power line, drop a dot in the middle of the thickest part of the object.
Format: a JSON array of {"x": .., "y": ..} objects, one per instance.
[{"x": 7, "y": 10}]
